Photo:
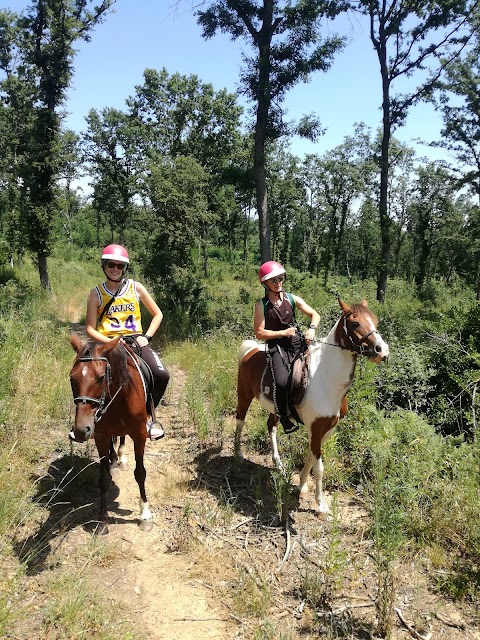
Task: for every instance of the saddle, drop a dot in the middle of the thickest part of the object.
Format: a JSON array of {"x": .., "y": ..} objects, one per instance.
[{"x": 297, "y": 382}]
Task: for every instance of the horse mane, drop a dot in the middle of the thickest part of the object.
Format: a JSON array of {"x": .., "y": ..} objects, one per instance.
[
  {"x": 361, "y": 310},
  {"x": 117, "y": 358}
]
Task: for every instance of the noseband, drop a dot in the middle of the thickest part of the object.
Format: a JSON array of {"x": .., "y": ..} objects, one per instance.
[
  {"x": 357, "y": 347},
  {"x": 106, "y": 388}
]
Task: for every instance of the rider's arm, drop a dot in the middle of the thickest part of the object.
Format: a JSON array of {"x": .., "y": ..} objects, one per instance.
[
  {"x": 311, "y": 313},
  {"x": 266, "y": 334},
  {"x": 157, "y": 316},
  {"x": 91, "y": 323}
]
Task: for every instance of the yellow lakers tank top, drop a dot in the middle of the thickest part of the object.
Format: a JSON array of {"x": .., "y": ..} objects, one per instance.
[{"x": 123, "y": 317}]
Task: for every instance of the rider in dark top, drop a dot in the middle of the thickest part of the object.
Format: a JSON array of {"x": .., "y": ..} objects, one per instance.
[{"x": 275, "y": 322}]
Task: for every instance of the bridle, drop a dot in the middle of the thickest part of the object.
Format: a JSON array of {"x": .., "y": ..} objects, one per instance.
[
  {"x": 357, "y": 346},
  {"x": 102, "y": 408}
]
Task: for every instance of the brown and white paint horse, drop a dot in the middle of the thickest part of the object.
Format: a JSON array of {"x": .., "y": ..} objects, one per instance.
[{"x": 331, "y": 369}]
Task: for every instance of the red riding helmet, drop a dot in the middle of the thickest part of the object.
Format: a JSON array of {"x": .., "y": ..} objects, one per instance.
[
  {"x": 269, "y": 270},
  {"x": 115, "y": 252}
]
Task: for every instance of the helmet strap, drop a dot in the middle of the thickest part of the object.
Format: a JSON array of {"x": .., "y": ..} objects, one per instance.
[{"x": 275, "y": 293}]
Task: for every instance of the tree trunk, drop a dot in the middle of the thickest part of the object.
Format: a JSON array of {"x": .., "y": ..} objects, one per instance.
[
  {"x": 263, "y": 107},
  {"x": 261, "y": 186},
  {"x": 385, "y": 222},
  {"x": 205, "y": 251},
  {"x": 43, "y": 270}
]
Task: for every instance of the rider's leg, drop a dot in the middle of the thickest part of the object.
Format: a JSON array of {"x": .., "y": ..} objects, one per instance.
[
  {"x": 160, "y": 380},
  {"x": 280, "y": 374}
]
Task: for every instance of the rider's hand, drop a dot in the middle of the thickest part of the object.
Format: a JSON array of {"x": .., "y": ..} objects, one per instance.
[
  {"x": 309, "y": 335},
  {"x": 142, "y": 341},
  {"x": 290, "y": 332}
]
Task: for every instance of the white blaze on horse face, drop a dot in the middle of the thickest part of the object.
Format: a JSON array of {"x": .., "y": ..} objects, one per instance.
[
  {"x": 84, "y": 371},
  {"x": 381, "y": 347}
]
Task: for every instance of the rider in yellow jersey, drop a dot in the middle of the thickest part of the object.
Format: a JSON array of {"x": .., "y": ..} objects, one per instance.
[{"x": 113, "y": 309}]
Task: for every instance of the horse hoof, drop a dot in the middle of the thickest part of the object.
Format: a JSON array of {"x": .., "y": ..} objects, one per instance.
[{"x": 146, "y": 525}]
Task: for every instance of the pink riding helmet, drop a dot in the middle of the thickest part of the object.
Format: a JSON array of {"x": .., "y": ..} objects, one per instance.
[
  {"x": 115, "y": 252},
  {"x": 269, "y": 270}
]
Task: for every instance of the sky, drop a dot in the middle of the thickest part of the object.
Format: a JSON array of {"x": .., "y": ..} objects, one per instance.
[{"x": 142, "y": 34}]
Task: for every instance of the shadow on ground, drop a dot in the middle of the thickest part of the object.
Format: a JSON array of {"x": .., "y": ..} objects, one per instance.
[
  {"x": 69, "y": 496},
  {"x": 248, "y": 487}
]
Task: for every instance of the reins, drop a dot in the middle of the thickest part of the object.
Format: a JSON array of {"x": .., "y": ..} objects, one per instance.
[
  {"x": 102, "y": 408},
  {"x": 358, "y": 348}
]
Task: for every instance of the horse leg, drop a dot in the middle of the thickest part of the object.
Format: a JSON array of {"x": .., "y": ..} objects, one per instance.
[
  {"x": 320, "y": 430},
  {"x": 244, "y": 400},
  {"x": 113, "y": 457},
  {"x": 321, "y": 506},
  {"x": 272, "y": 431},
  {"x": 118, "y": 457},
  {"x": 146, "y": 516},
  {"x": 105, "y": 481},
  {"x": 303, "y": 488},
  {"x": 122, "y": 457}
]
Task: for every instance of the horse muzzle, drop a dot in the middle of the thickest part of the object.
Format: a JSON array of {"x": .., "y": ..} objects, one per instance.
[
  {"x": 81, "y": 434},
  {"x": 84, "y": 425},
  {"x": 378, "y": 353}
]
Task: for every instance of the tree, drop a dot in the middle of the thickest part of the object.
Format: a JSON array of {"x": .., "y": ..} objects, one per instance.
[
  {"x": 461, "y": 120},
  {"x": 285, "y": 37},
  {"x": 433, "y": 204},
  {"x": 180, "y": 116},
  {"x": 407, "y": 36},
  {"x": 287, "y": 199},
  {"x": 177, "y": 190},
  {"x": 37, "y": 60},
  {"x": 113, "y": 149}
]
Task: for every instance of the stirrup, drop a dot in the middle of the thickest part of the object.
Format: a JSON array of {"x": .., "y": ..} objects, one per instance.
[
  {"x": 155, "y": 430},
  {"x": 289, "y": 426}
]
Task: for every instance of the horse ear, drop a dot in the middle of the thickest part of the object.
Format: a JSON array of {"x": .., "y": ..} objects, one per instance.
[
  {"x": 365, "y": 303},
  {"x": 344, "y": 306},
  {"x": 76, "y": 341},
  {"x": 111, "y": 344}
]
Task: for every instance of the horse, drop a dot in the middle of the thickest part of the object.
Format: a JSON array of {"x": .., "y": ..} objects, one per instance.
[
  {"x": 110, "y": 399},
  {"x": 330, "y": 374}
]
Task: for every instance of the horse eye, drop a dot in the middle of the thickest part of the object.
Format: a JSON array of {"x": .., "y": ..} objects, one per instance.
[
  {"x": 101, "y": 378},
  {"x": 355, "y": 324}
]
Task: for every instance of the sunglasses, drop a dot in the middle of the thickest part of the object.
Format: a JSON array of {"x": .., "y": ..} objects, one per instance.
[
  {"x": 277, "y": 279},
  {"x": 116, "y": 265}
]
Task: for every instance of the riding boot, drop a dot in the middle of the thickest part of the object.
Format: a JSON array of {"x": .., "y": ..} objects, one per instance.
[{"x": 288, "y": 425}]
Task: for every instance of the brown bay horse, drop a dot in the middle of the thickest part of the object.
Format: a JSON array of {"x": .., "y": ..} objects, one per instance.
[
  {"x": 331, "y": 371},
  {"x": 110, "y": 399}
]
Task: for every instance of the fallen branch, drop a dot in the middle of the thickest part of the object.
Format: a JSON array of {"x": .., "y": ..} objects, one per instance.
[
  {"x": 451, "y": 623},
  {"x": 413, "y": 631},
  {"x": 240, "y": 524},
  {"x": 347, "y": 607}
]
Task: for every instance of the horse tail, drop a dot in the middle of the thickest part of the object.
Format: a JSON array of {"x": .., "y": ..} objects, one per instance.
[{"x": 248, "y": 347}]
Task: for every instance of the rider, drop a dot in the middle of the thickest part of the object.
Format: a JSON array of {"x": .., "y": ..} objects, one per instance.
[
  {"x": 275, "y": 322},
  {"x": 113, "y": 310}
]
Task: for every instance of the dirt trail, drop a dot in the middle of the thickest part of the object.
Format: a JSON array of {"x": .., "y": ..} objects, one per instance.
[
  {"x": 214, "y": 565},
  {"x": 154, "y": 587}
]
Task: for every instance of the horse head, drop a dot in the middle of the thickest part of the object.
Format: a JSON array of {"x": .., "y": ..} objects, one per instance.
[
  {"x": 90, "y": 379},
  {"x": 357, "y": 332}
]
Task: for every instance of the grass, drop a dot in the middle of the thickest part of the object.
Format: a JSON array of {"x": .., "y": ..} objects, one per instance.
[
  {"x": 35, "y": 405},
  {"x": 421, "y": 488}
]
